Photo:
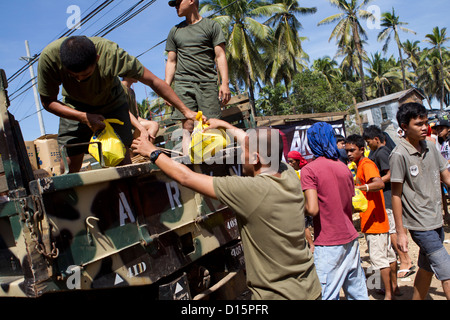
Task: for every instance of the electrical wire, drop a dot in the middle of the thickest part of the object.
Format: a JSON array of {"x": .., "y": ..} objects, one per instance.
[
  {"x": 120, "y": 20},
  {"x": 111, "y": 26},
  {"x": 12, "y": 97},
  {"x": 31, "y": 114},
  {"x": 102, "y": 16},
  {"x": 65, "y": 29},
  {"x": 117, "y": 19},
  {"x": 35, "y": 58}
]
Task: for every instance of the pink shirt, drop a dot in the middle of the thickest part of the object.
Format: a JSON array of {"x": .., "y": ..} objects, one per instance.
[{"x": 335, "y": 188}]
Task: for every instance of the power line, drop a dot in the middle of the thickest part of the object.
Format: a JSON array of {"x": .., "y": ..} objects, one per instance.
[
  {"x": 94, "y": 12},
  {"x": 130, "y": 17},
  {"x": 12, "y": 94},
  {"x": 31, "y": 114},
  {"x": 103, "y": 15},
  {"x": 21, "y": 70},
  {"x": 83, "y": 21},
  {"x": 117, "y": 20},
  {"x": 120, "y": 20},
  {"x": 161, "y": 42}
]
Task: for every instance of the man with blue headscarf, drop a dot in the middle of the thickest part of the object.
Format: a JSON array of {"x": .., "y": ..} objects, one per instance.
[
  {"x": 329, "y": 188},
  {"x": 322, "y": 142}
]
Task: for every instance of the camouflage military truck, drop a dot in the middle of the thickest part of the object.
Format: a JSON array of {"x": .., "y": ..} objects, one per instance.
[{"x": 113, "y": 227}]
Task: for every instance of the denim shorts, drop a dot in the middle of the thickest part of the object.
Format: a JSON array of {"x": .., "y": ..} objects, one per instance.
[{"x": 433, "y": 257}]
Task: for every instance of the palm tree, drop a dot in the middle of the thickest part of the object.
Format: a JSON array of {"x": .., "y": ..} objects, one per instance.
[
  {"x": 428, "y": 73},
  {"x": 349, "y": 28},
  {"x": 245, "y": 36},
  {"x": 437, "y": 39},
  {"x": 392, "y": 24},
  {"x": 412, "y": 50},
  {"x": 154, "y": 107},
  {"x": 284, "y": 57},
  {"x": 281, "y": 66},
  {"x": 326, "y": 67},
  {"x": 385, "y": 76},
  {"x": 144, "y": 109},
  {"x": 350, "y": 63},
  {"x": 429, "y": 77},
  {"x": 287, "y": 25},
  {"x": 377, "y": 71}
]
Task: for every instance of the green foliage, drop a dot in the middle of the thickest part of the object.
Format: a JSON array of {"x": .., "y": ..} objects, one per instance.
[
  {"x": 264, "y": 51},
  {"x": 314, "y": 93},
  {"x": 311, "y": 92},
  {"x": 272, "y": 102}
]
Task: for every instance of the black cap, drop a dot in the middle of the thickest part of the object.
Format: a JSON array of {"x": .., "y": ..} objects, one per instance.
[
  {"x": 442, "y": 122},
  {"x": 172, "y": 3}
]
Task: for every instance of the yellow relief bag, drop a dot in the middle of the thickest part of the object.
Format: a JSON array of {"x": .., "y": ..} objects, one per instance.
[
  {"x": 205, "y": 144},
  {"x": 359, "y": 201},
  {"x": 113, "y": 149},
  {"x": 352, "y": 167}
]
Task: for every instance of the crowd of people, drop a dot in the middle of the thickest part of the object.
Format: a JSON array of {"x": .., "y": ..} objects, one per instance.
[
  {"x": 275, "y": 203},
  {"x": 402, "y": 185}
]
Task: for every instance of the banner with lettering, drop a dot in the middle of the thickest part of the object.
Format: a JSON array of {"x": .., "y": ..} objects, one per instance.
[{"x": 295, "y": 138}]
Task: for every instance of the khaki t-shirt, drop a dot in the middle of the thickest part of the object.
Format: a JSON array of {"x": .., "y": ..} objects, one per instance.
[
  {"x": 270, "y": 211},
  {"x": 194, "y": 45},
  {"x": 131, "y": 97},
  {"x": 100, "y": 93}
]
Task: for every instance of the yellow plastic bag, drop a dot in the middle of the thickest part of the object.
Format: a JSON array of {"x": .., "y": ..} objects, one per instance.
[
  {"x": 352, "y": 167},
  {"x": 113, "y": 149},
  {"x": 359, "y": 201},
  {"x": 205, "y": 144}
]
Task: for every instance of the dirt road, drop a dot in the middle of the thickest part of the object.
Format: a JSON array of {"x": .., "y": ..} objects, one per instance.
[{"x": 405, "y": 284}]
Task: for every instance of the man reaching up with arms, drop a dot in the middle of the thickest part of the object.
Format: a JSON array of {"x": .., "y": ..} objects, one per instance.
[{"x": 270, "y": 211}]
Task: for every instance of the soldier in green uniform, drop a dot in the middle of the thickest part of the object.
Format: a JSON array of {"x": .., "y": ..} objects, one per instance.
[
  {"x": 88, "y": 70},
  {"x": 195, "y": 47}
]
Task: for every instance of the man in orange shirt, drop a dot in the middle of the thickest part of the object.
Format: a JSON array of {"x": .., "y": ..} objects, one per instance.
[{"x": 374, "y": 221}]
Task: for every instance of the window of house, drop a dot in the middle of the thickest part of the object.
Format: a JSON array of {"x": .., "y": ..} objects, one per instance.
[{"x": 384, "y": 114}]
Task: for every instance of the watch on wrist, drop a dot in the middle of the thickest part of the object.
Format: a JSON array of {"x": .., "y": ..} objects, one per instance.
[{"x": 154, "y": 155}]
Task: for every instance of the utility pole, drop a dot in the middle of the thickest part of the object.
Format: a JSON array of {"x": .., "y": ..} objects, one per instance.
[
  {"x": 358, "y": 118},
  {"x": 28, "y": 59}
]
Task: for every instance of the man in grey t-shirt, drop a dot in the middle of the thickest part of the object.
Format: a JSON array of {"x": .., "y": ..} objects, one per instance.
[{"x": 417, "y": 169}]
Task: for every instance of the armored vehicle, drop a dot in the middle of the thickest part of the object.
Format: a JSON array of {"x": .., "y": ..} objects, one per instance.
[{"x": 114, "y": 227}]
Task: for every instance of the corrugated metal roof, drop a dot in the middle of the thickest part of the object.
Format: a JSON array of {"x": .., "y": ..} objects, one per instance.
[{"x": 390, "y": 97}]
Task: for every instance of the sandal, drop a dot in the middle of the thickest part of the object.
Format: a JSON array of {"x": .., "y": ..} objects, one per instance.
[{"x": 408, "y": 272}]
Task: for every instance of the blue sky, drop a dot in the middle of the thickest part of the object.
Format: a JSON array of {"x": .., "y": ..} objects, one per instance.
[{"x": 41, "y": 21}]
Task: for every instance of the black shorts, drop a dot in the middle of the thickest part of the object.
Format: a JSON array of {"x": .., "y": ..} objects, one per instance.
[{"x": 72, "y": 131}]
